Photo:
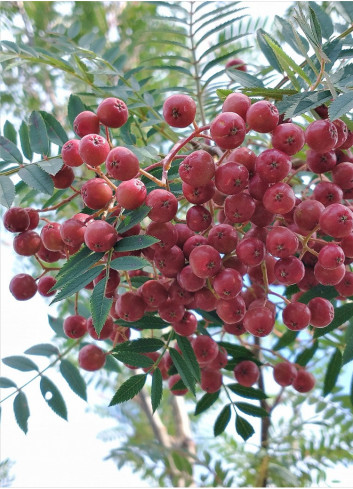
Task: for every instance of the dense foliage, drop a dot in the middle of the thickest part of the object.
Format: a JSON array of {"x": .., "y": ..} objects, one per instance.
[{"x": 191, "y": 212}]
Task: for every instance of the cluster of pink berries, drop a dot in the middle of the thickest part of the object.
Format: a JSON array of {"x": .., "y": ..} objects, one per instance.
[{"x": 242, "y": 218}]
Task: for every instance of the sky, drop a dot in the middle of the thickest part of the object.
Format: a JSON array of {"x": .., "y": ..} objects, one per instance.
[{"x": 56, "y": 453}]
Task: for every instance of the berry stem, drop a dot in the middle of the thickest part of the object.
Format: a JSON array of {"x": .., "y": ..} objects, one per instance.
[
  {"x": 151, "y": 177},
  {"x": 65, "y": 201}
]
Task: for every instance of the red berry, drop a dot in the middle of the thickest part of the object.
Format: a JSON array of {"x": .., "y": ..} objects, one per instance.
[
  {"x": 228, "y": 130},
  {"x": 272, "y": 165},
  {"x": 91, "y": 358},
  {"x": 211, "y": 380},
  {"x": 70, "y": 153},
  {"x": 322, "y": 312},
  {"x": 259, "y": 321},
  {"x": 131, "y": 194},
  {"x": 238, "y": 103},
  {"x": 205, "y": 261},
  {"x": 45, "y": 284},
  {"x": 164, "y": 205},
  {"x": 321, "y": 136},
  {"x": 179, "y": 110},
  {"x": 100, "y": 236},
  {"x": 27, "y": 243},
  {"x": 23, "y": 287},
  {"x": 237, "y": 63},
  {"x": 86, "y": 123},
  {"x": 336, "y": 221},
  {"x": 16, "y": 220},
  {"x": 288, "y": 138},
  {"x": 122, "y": 164},
  {"x": 94, "y": 149},
  {"x": 304, "y": 381},
  {"x": 197, "y": 168},
  {"x": 284, "y": 373},
  {"x": 75, "y": 326},
  {"x": 296, "y": 316},
  {"x": 262, "y": 116},
  {"x": 112, "y": 112},
  {"x": 246, "y": 373}
]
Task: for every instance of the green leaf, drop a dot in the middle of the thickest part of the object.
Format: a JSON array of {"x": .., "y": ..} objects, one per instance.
[
  {"x": 38, "y": 135},
  {"x": 9, "y": 151},
  {"x": 124, "y": 263},
  {"x": 10, "y": 132},
  {"x": 132, "y": 217},
  {"x": 346, "y": 9},
  {"x": 219, "y": 27},
  {"x": 248, "y": 392},
  {"x": 141, "y": 345},
  {"x": 245, "y": 79},
  {"x": 156, "y": 389},
  {"x": 100, "y": 305},
  {"x": 53, "y": 397},
  {"x": 132, "y": 243},
  {"x": 147, "y": 322},
  {"x": 206, "y": 401},
  {"x": 285, "y": 340},
  {"x": 129, "y": 389},
  {"x": 342, "y": 314},
  {"x": 351, "y": 392},
  {"x": 56, "y": 132},
  {"x": 267, "y": 49},
  {"x": 189, "y": 356},
  {"x": 134, "y": 359},
  {"x": 7, "y": 191},
  {"x": 274, "y": 93},
  {"x": 324, "y": 20},
  {"x": 289, "y": 36},
  {"x": 243, "y": 428},
  {"x": 74, "y": 379},
  {"x": 25, "y": 143},
  {"x": 183, "y": 370},
  {"x": 56, "y": 325},
  {"x": 21, "y": 410},
  {"x": 181, "y": 463},
  {"x": 300, "y": 103},
  {"x": 318, "y": 291},
  {"x": 222, "y": 420},
  {"x": 223, "y": 93},
  {"x": 43, "y": 349},
  {"x": 332, "y": 372},
  {"x": 220, "y": 60},
  {"x": 36, "y": 178},
  {"x": 75, "y": 107},
  {"x": 287, "y": 63},
  {"x": 51, "y": 166},
  {"x": 5, "y": 383},
  {"x": 251, "y": 410},
  {"x": 306, "y": 355},
  {"x": 315, "y": 26},
  {"x": 20, "y": 363},
  {"x": 77, "y": 284},
  {"x": 348, "y": 351},
  {"x": 236, "y": 350},
  {"x": 342, "y": 105},
  {"x": 77, "y": 262}
]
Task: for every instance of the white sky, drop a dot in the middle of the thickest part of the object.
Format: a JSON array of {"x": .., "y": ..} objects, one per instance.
[{"x": 56, "y": 453}]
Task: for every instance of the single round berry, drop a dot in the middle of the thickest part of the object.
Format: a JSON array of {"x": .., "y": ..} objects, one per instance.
[
  {"x": 227, "y": 283},
  {"x": 179, "y": 110},
  {"x": 321, "y": 136},
  {"x": 198, "y": 218},
  {"x": 131, "y": 194},
  {"x": 342, "y": 175},
  {"x": 197, "y": 168},
  {"x": 284, "y": 373},
  {"x": 307, "y": 214},
  {"x": 23, "y": 287},
  {"x": 70, "y": 153},
  {"x": 238, "y": 103},
  {"x": 205, "y": 261},
  {"x": 259, "y": 321},
  {"x": 320, "y": 162},
  {"x": 262, "y": 116},
  {"x": 199, "y": 194},
  {"x": 322, "y": 312},
  {"x": 75, "y": 326},
  {"x": 96, "y": 193},
  {"x": 239, "y": 208},
  {"x": 272, "y": 165},
  {"x": 279, "y": 199},
  {"x": 27, "y": 243},
  {"x": 16, "y": 220},
  {"x": 64, "y": 177},
  {"x": 100, "y": 236},
  {"x": 94, "y": 149},
  {"x": 51, "y": 237},
  {"x": 122, "y": 164},
  {"x": 327, "y": 193},
  {"x": 130, "y": 306},
  {"x": 281, "y": 242},
  {"x": 296, "y": 316},
  {"x": 112, "y": 112},
  {"x": 304, "y": 381},
  {"x": 250, "y": 251},
  {"x": 231, "y": 178},
  {"x": 247, "y": 373},
  {"x": 223, "y": 238},
  {"x": 45, "y": 284},
  {"x": 163, "y": 204},
  {"x": 288, "y": 138},
  {"x": 72, "y": 232},
  {"x": 331, "y": 256},
  {"x": 336, "y": 221},
  {"x": 205, "y": 348},
  {"x": 231, "y": 312},
  {"x": 91, "y": 358},
  {"x": 289, "y": 270},
  {"x": 86, "y": 122},
  {"x": 187, "y": 326},
  {"x": 228, "y": 130},
  {"x": 211, "y": 380}
]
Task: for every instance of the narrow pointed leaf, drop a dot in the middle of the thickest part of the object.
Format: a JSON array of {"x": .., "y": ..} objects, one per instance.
[
  {"x": 51, "y": 166},
  {"x": 129, "y": 389},
  {"x": 124, "y": 263},
  {"x": 245, "y": 79},
  {"x": 131, "y": 218},
  {"x": 156, "y": 389},
  {"x": 306, "y": 355},
  {"x": 341, "y": 105},
  {"x": 147, "y": 322},
  {"x": 318, "y": 291},
  {"x": 141, "y": 345},
  {"x": 219, "y": 27},
  {"x": 21, "y": 410},
  {"x": 248, "y": 392},
  {"x": 74, "y": 379},
  {"x": 267, "y": 50},
  {"x": 37, "y": 178},
  {"x": 6, "y": 383},
  {"x": 134, "y": 359},
  {"x": 348, "y": 352},
  {"x": 10, "y": 132},
  {"x": 100, "y": 305},
  {"x": 44, "y": 349},
  {"x": 206, "y": 401},
  {"x": 189, "y": 356},
  {"x": 53, "y": 397},
  {"x": 79, "y": 264},
  {"x": 9, "y": 151},
  {"x": 251, "y": 410},
  {"x": 342, "y": 314},
  {"x": 132, "y": 243},
  {"x": 56, "y": 132},
  {"x": 183, "y": 370},
  {"x": 285, "y": 340},
  {"x": 77, "y": 284},
  {"x": 324, "y": 20},
  {"x": 56, "y": 325},
  {"x": 7, "y": 191},
  {"x": 19, "y": 362},
  {"x": 222, "y": 420},
  {"x": 25, "y": 143},
  {"x": 38, "y": 135},
  {"x": 333, "y": 370},
  {"x": 243, "y": 427}
]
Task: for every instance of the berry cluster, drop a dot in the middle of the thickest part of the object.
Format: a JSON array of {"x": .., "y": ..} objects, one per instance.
[{"x": 235, "y": 231}]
